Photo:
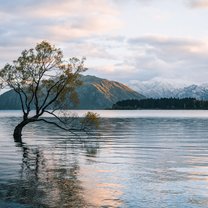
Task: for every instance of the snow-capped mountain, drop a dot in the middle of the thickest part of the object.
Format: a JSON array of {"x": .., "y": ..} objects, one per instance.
[
  {"x": 2, "y": 91},
  {"x": 159, "y": 89},
  {"x": 200, "y": 92},
  {"x": 156, "y": 88}
]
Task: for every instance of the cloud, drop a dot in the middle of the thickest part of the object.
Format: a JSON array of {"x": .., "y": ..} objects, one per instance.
[
  {"x": 170, "y": 49},
  {"x": 144, "y": 2},
  {"x": 146, "y": 58},
  {"x": 91, "y": 28},
  {"x": 57, "y": 20},
  {"x": 23, "y": 23},
  {"x": 198, "y": 3},
  {"x": 151, "y": 57},
  {"x": 169, "y": 57},
  {"x": 192, "y": 3},
  {"x": 189, "y": 3},
  {"x": 88, "y": 48}
]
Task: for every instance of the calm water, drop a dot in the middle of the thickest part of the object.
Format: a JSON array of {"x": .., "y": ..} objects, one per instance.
[{"x": 147, "y": 159}]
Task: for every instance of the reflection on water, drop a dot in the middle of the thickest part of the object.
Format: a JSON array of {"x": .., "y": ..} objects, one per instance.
[{"x": 135, "y": 162}]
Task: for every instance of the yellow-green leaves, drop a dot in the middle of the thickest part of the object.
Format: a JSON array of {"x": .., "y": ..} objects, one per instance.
[
  {"x": 43, "y": 77},
  {"x": 91, "y": 120}
]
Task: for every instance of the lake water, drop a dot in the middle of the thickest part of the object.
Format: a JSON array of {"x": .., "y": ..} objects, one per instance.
[{"x": 144, "y": 159}]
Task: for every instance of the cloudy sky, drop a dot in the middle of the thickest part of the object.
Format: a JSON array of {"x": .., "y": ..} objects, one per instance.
[{"x": 123, "y": 40}]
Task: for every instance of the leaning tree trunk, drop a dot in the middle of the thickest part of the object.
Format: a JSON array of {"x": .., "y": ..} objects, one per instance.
[{"x": 18, "y": 131}]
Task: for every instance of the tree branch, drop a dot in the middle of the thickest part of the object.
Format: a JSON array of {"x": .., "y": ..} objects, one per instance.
[
  {"x": 21, "y": 100},
  {"x": 48, "y": 92},
  {"x": 71, "y": 130},
  {"x": 54, "y": 98}
]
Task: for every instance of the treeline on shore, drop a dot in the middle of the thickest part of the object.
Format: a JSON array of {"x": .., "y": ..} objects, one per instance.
[{"x": 162, "y": 103}]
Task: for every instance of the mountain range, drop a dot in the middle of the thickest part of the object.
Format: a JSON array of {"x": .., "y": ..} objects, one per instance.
[
  {"x": 98, "y": 93},
  {"x": 161, "y": 89},
  {"x": 95, "y": 93}
]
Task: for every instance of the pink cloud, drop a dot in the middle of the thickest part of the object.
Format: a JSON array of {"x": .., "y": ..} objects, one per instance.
[{"x": 199, "y": 3}]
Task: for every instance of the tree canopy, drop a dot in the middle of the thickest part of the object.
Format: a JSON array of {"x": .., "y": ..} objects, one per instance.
[{"x": 43, "y": 80}]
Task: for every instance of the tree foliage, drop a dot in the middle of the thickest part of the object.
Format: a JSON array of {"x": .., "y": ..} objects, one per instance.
[{"x": 43, "y": 80}]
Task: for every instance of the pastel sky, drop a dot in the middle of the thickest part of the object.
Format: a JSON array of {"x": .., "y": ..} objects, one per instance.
[{"x": 123, "y": 40}]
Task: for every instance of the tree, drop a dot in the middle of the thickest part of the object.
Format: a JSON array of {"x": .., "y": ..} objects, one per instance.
[{"x": 43, "y": 80}]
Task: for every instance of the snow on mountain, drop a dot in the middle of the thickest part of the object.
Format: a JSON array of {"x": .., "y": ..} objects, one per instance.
[
  {"x": 163, "y": 88},
  {"x": 2, "y": 91},
  {"x": 200, "y": 92},
  {"x": 155, "y": 88}
]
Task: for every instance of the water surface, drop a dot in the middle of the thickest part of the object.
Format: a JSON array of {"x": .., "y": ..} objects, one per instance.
[{"x": 137, "y": 159}]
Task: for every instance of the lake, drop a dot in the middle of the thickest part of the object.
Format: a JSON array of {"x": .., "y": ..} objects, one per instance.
[{"x": 143, "y": 158}]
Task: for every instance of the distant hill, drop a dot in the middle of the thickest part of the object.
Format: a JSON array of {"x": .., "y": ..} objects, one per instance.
[{"x": 95, "y": 93}]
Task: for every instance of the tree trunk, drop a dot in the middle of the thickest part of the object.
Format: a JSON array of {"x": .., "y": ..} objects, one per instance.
[{"x": 18, "y": 131}]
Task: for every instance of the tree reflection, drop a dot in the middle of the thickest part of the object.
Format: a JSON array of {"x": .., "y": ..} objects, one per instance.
[{"x": 45, "y": 183}]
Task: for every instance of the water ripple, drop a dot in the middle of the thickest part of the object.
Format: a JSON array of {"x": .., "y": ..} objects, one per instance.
[{"x": 132, "y": 162}]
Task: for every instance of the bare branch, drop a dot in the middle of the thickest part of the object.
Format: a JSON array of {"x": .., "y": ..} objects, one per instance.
[
  {"x": 54, "y": 98},
  {"x": 71, "y": 130},
  {"x": 21, "y": 101},
  {"x": 58, "y": 118},
  {"x": 49, "y": 91}
]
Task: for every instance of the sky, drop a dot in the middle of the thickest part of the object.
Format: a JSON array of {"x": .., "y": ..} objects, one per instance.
[{"x": 122, "y": 40}]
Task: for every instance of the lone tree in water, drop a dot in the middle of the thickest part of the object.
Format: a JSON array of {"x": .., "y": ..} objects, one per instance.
[{"x": 43, "y": 80}]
